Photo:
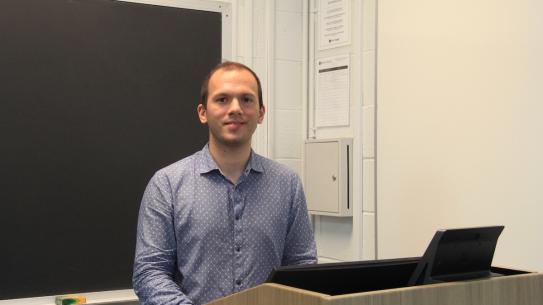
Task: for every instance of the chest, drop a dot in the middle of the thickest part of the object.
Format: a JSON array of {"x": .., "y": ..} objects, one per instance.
[{"x": 213, "y": 210}]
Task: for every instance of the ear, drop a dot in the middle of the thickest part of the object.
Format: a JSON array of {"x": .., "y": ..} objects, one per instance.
[
  {"x": 202, "y": 113},
  {"x": 261, "y": 113}
]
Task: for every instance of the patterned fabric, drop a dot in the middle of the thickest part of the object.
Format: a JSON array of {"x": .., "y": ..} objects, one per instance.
[{"x": 200, "y": 237}]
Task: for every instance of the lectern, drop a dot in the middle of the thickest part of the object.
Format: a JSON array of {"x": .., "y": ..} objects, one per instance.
[
  {"x": 455, "y": 270},
  {"x": 515, "y": 289}
]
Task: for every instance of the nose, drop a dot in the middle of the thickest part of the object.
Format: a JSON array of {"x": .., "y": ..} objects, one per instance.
[{"x": 235, "y": 107}]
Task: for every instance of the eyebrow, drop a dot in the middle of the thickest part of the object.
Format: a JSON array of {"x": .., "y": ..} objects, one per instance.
[{"x": 223, "y": 93}]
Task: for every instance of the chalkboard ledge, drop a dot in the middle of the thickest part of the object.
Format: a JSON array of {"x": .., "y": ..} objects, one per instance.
[{"x": 113, "y": 297}]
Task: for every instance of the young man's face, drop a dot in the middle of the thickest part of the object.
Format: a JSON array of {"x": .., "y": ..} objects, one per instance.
[{"x": 233, "y": 110}]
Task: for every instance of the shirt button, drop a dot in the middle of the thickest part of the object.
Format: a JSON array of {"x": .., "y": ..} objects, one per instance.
[
  {"x": 237, "y": 217},
  {"x": 238, "y": 282},
  {"x": 238, "y": 249}
]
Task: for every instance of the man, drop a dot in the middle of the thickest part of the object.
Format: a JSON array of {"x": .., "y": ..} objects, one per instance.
[{"x": 219, "y": 221}]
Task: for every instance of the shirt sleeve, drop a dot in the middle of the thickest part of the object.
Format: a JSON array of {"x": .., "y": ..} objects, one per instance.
[
  {"x": 300, "y": 245},
  {"x": 154, "y": 277}
]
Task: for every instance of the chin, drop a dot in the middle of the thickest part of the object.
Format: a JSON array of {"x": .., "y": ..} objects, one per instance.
[
  {"x": 235, "y": 142},
  {"x": 230, "y": 139}
]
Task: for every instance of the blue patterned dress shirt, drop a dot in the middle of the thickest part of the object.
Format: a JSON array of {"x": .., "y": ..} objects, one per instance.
[{"x": 200, "y": 237}]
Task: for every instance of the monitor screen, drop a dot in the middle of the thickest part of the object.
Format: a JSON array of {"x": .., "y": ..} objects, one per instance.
[{"x": 457, "y": 254}]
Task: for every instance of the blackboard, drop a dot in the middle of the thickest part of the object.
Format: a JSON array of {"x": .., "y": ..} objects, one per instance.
[{"x": 95, "y": 96}]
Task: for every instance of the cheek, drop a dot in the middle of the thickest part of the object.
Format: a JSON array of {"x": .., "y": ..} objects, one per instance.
[{"x": 212, "y": 115}]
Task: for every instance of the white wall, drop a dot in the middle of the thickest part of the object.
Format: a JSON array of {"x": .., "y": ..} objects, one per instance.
[
  {"x": 351, "y": 238},
  {"x": 459, "y": 95},
  {"x": 288, "y": 97}
]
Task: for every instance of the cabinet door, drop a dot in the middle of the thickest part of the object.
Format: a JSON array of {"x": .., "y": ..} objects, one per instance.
[{"x": 321, "y": 177}]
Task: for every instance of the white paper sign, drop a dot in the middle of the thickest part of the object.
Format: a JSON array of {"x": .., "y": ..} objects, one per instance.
[
  {"x": 334, "y": 23},
  {"x": 332, "y": 91}
]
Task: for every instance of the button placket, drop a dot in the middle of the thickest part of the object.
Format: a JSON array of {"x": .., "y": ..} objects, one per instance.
[{"x": 237, "y": 198}]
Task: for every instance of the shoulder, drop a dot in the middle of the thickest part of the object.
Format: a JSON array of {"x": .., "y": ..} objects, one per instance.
[
  {"x": 176, "y": 171},
  {"x": 281, "y": 178},
  {"x": 276, "y": 170}
]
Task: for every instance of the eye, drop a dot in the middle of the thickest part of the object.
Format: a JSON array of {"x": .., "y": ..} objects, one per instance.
[
  {"x": 248, "y": 99},
  {"x": 220, "y": 100}
]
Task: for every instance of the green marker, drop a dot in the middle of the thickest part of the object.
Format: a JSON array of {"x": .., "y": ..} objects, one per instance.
[{"x": 70, "y": 299}]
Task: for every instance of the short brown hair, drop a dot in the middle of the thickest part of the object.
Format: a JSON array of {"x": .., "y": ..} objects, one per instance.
[{"x": 228, "y": 65}]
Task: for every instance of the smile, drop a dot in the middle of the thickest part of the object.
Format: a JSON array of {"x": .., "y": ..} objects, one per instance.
[{"x": 234, "y": 123}]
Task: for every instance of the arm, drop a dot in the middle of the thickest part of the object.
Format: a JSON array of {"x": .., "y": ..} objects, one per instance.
[
  {"x": 156, "y": 252},
  {"x": 300, "y": 243}
]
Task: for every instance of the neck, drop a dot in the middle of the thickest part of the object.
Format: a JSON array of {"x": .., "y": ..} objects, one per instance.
[{"x": 231, "y": 160}]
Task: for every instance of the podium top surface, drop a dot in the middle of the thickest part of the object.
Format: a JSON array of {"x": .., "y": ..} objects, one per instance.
[{"x": 525, "y": 289}]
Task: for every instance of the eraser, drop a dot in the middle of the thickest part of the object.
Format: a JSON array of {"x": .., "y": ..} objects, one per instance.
[{"x": 70, "y": 299}]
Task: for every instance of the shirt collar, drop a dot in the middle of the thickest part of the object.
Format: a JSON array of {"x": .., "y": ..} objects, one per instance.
[{"x": 206, "y": 163}]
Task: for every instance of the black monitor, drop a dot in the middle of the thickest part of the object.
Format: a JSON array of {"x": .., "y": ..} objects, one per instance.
[
  {"x": 347, "y": 277},
  {"x": 453, "y": 255},
  {"x": 457, "y": 254}
]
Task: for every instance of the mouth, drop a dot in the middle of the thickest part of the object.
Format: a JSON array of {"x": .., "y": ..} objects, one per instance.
[{"x": 233, "y": 125}]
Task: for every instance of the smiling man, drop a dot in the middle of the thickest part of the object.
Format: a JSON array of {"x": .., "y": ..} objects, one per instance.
[{"x": 219, "y": 221}]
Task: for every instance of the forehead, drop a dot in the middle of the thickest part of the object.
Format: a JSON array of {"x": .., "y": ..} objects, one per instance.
[{"x": 235, "y": 78}]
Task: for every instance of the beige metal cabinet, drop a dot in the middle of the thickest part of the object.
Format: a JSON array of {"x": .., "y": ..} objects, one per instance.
[{"x": 328, "y": 176}]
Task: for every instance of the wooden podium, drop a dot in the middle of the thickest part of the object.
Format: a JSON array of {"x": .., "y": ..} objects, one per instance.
[
  {"x": 456, "y": 269},
  {"x": 519, "y": 289}
]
